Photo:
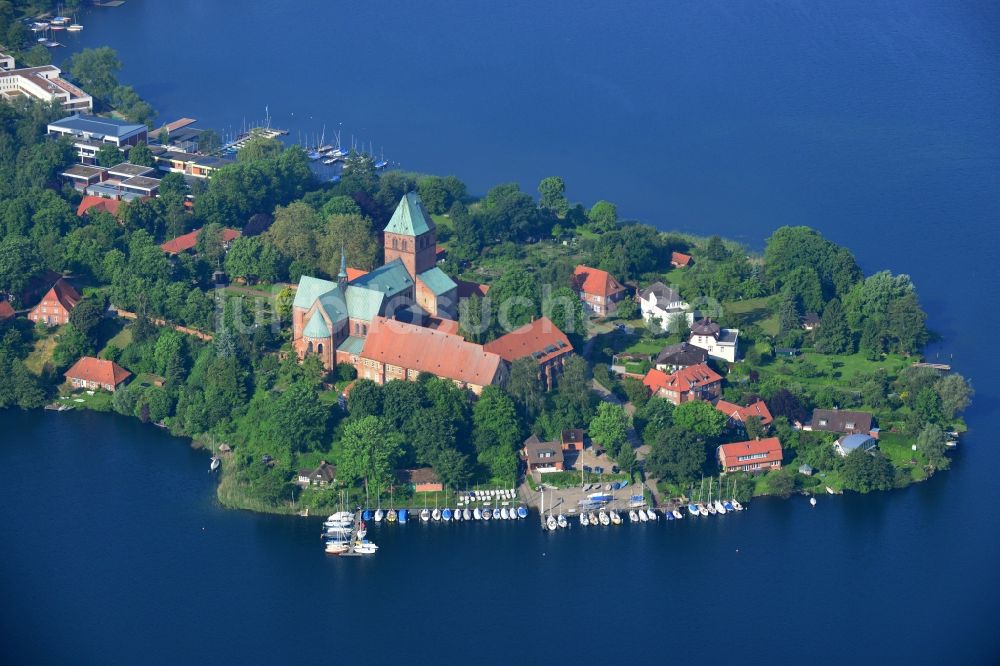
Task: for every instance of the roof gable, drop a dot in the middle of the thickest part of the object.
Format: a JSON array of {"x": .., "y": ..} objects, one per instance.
[{"x": 410, "y": 217}]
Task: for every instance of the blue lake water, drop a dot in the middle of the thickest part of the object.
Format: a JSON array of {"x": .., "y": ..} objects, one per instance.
[{"x": 875, "y": 122}]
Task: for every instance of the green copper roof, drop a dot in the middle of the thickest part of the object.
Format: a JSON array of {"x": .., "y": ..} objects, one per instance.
[
  {"x": 363, "y": 303},
  {"x": 310, "y": 289},
  {"x": 316, "y": 328},
  {"x": 334, "y": 305},
  {"x": 410, "y": 218},
  {"x": 389, "y": 279},
  {"x": 352, "y": 345},
  {"x": 437, "y": 281}
]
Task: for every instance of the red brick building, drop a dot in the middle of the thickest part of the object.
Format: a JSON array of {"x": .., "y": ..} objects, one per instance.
[
  {"x": 97, "y": 373},
  {"x": 695, "y": 382},
  {"x": 56, "y": 305},
  {"x": 597, "y": 289},
  {"x": 752, "y": 456},
  {"x": 541, "y": 340}
]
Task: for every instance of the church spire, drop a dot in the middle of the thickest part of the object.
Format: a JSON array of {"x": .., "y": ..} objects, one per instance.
[{"x": 342, "y": 275}]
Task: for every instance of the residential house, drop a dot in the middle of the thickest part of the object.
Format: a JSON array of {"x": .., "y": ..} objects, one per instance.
[
  {"x": 88, "y": 133},
  {"x": 720, "y": 343},
  {"x": 92, "y": 204},
  {"x": 56, "y": 305},
  {"x": 737, "y": 416},
  {"x": 189, "y": 240},
  {"x": 752, "y": 456},
  {"x": 572, "y": 439},
  {"x": 598, "y": 290},
  {"x": 421, "y": 480},
  {"x": 680, "y": 260},
  {"x": 6, "y": 311},
  {"x": 324, "y": 475},
  {"x": 842, "y": 421},
  {"x": 542, "y": 456},
  {"x": 696, "y": 382},
  {"x": 675, "y": 357},
  {"x": 849, "y": 443},
  {"x": 97, "y": 373},
  {"x": 660, "y": 302},
  {"x": 541, "y": 340}
]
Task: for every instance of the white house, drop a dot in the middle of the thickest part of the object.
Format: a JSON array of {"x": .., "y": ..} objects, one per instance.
[
  {"x": 720, "y": 343},
  {"x": 662, "y": 303}
]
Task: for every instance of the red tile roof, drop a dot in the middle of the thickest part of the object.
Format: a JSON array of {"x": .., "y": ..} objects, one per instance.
[
  {"x": 354, "y": 273},
  {"x": 98, "y": 203},
  {"x": 683, "y": 380},
  {"x": 426, "y": 350},
  {"x": 63, "y": 292},
  {"x": 741, "y": 414},
  {"x": 770, "y": 446},
  {"x": 98, "y": 370},
  {"x": 6, "y": 311},
  {"x": 540, "y": 339},
  {"x": 595, "y": 281},
  {"x": 190, "y": 239},
  {"x": 680, "y": 259}
]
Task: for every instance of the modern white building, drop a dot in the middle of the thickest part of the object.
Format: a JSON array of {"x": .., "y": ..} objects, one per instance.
[
  {"x": 720, "y": 343},
  {"x": 44, "y": 84},
  {"x": 660, "y": 302}
]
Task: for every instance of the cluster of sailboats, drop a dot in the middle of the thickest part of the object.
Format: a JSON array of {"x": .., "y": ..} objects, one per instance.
[{"x": 343, "y": 534}]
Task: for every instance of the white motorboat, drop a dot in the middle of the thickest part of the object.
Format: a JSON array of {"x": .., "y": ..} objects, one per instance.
[
  {"x": 603, "y": 517},
  {"x": 561, "y": 519},
  {"x": 425, "y": 515},
  {"x": 615, "y": 518},
  {"x": 467, "y": 514},
  {"x": 677, "y": 514},
  {"x": 633, "y": 516}
]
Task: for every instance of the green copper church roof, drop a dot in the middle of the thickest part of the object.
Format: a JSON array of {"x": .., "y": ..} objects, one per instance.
[
  {"x": 310, "y": 289},
  {"x": 363, "y": 303},
  {"x": 437, "y": 281},
  {"x": 410, "y": 218},
  {"x": 389, "y": 279},
  {"x": 316, "y": 328}
]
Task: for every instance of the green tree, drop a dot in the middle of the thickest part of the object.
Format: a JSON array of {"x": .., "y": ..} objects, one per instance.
[
  {"x": 834, "y": 335},
  {"x": 865, "y": 471},
  {"x": 675, "y": 456},
  {"x": 603, "y": 217},
  {"x": 369, "y": 450},
  {"x": 609, "y": 427},
  {"x": 553, "y": 195},
  {"x": 699, "y": 418},
  {"x": 525, "y": 387}
]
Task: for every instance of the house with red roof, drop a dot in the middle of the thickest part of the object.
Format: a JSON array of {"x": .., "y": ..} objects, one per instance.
[
  {"x": 679, "y": 259},
  {"x": 541, "y": 340},
  {"x": 695, "y": 382},
  {"x": 97, "y": 373},
  {"x": 6, "y": 311},
  {"x": 91, "y": 203},
  {"x": 189, "y": 240},
  {"x": 56, "y": 305},
  {"x": 598, "y": 289},
  {"x": 756, "y": 455},
  {"x": 737, "y": 416}
]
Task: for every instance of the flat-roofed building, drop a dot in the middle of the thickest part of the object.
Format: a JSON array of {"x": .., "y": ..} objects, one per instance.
[{"x": 43, "y": 84}]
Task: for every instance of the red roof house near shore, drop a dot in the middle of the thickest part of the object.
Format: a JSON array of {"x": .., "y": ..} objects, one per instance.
[
  {"x": 752, "y": 456},
  {"x": 190, "y": 239},
  {"x": 97, "y": 373}
]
